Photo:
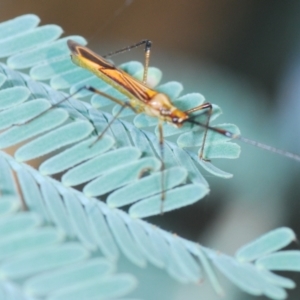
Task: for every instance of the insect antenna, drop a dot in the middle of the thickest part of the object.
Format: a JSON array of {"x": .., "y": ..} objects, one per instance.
[{"x": 246, "y": 140}]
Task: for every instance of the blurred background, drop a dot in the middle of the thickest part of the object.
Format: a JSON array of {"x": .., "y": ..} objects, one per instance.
[{"x": 243, "y": 56}]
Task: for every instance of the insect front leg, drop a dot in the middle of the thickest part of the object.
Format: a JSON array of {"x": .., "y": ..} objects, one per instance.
[
  {"x": 147, "y": 60},
  {"x": 203, "y": 106},
  {"x": 147, "y": 44}
]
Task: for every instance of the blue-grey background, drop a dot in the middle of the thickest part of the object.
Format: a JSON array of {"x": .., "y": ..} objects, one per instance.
[{"x": 241, "y": 55}]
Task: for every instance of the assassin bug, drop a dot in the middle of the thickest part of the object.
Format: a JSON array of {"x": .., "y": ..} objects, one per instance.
[{"x": 142, "y": 99}]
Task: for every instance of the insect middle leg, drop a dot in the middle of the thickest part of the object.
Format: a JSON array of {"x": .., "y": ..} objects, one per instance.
[
  {"x": 161, "y": 139},
  {"x": 162, "y": 168}
]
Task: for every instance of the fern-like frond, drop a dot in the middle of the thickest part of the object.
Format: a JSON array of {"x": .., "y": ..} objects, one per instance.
[
  {"x": 105, "y": 172},
  {"x": 68, "y": 243},
  {"x": 39, "y": 241}
]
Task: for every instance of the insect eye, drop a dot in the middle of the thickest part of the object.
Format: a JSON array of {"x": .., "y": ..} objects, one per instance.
[{"x": 175, "y": 119}]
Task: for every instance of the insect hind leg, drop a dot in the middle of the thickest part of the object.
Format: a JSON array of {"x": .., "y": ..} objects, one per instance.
[
  {"x": 52, "y": 106},
  {"x": 123, "y": 105}
]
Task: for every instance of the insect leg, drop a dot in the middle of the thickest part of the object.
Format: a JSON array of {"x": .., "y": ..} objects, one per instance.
[
  {"x": 128, "y": 48},
  {"x": 208, "y": 106},
  {"x": 162, "y": 168},
  {"x": 95, "y": 91},
  {"x": 89, "y": 88},
  {"x": 147, "y": 44},
  {"x": 124, "y": 105},
  {"x": 52, "y": 106},
  {"x": 235, "y": 136},
  {"x": 147, "y": 59}
]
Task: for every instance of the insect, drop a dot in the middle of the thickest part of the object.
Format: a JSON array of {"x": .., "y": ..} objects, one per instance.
[{"x": 142, "y": 99}]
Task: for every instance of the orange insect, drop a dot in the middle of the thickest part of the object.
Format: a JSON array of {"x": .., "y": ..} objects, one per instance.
[{"x": 142, "y": 99}]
